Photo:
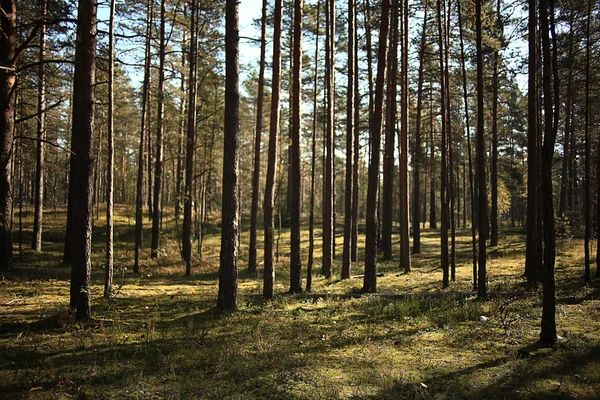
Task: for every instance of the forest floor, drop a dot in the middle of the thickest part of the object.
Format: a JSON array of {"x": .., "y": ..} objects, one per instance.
[{"x": 161, "y": 337}]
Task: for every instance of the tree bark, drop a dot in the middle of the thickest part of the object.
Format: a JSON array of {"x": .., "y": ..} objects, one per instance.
[
  {"x": 328, "y": 192},
  {"x": 190, "y": 140},
  {"x": 387, "y": 190},
  {"x": 108, "y": 267},
  {"x": 443, "y": 152},
  {"x": 82, "y": 161},
  {"x": 350, "y": 145},
  {"x": 418, "y": 151},
  {"x": 269, "y": 269},
  {"x": 36, "y": 244},
  {"x": 403, "y": 142},
  {"x": 139, "y": 197},
  {"x": 295, "y": 260},
  {"x": 311, "y": 218},
  {"x": 481, "y": 175},
  {"x": 588, "y": 151},
  {"x": 158, "y": 166},
  {"x": 8, "y": 78},
  {"x": 257, "y": 140},
  {"x": 548, "y": 325},
  {"x": 494, "y": 172},
  {"x": 227, "y": 298},
  {"x": 370, "y": 278},
  {"x": 468, "y": 134},
  {"x": 532, "y": 260}
]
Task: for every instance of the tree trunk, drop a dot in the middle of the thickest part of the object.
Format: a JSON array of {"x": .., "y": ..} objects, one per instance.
[
  {"x": 108, "y": 267},
  {"x": 443, "y": 152},
  {"x": 311, "y": 221},
  {"x": 82, "y": 160},
  {"x": 190, "y": 140},
  {"x": 257, "y": 141},
  {"x": 328, "y": 202},
  {"x": 418, "y": 151},
  {"x": 480, "y": 147},
  {"x": 532, "y": 261},
  {"x": 468, "y": 134},
  {"x": 588, "y": 151},
  {"x": 227, "y": 298},
  {"x": 403, "y": 141},
  {"x": 387, "y": 190},
  {"x": 370, "y": 277},
  {"x": 139, "y": 198},
  {"x": 295, "y": 260},
  {"x": 8, "y": 77},
  {"x": 548, "y": 325},
  {"x": 158, "y": 166},
  {"x": 36, "y": 244},
  {"x": 494, "y": 172},
  {"x": 350, "y": 145},
  {"x": 356, "y": 154},
  {"x": 269, "y": 269}
]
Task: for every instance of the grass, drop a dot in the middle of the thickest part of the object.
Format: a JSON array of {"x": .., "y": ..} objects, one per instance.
[{"x": 161, "y": 337}]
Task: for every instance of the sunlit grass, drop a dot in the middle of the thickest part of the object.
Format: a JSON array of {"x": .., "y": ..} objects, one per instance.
[{"x": 162, "y": 338}]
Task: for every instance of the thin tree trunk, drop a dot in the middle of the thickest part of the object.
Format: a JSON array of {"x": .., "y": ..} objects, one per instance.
[
  {"x": 139, "y": 198},
  {"x": 403, "y": 141},
  {"x": 494, "y": 172},
  {"x": 190, "y": 140},
  {"x": 418, "y": 153},
  {"x": 295, "y": 260},
  {"x": 311, "y": 221},
  {"x": 356, "y": 127},
  {"x": 480, "y": 147},
  {"x": 269, "y": 270},
  {"x": 108, "y": 267},
  {"x": 227, "y": 298},
  {"x": 588, "y": 151},
  {"x": 158, "y": 166},
  {"x": 532, "y": 261},
  {"x": 328, "y": 193},
  {"x": 350, "y": 145},
  {"x": 387, "y": 190},
  {"x": 443, "y": 152},
  {"x": 36, "y": 244},
  {"x": 548, "y": 325},
  {"x": 370, "y": 277},
  {"x": 257, "y": 141}
]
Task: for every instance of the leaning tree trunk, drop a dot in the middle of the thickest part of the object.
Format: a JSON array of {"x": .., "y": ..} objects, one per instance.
[
  {"x": 370, "y": 277},
  {"x": 82, "y": 159},
  {"x": 227, "y": 298},
  {"x": 8, "y": 77}
]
